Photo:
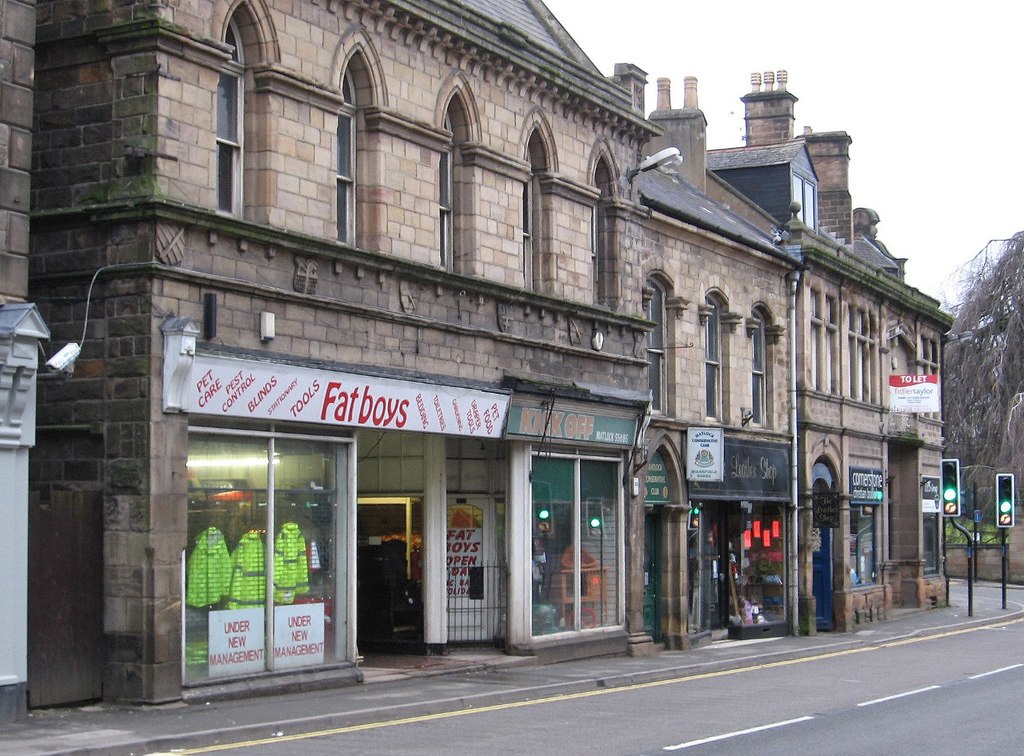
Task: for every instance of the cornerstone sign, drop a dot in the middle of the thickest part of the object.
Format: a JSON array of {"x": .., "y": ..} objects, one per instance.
[{"x": 866, "y": 485}]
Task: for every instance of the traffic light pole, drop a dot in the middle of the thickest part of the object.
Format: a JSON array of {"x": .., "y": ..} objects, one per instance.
[
  {"x": 945, "y": 562},
  {"x": 970, "y": 565},
  {"x": 1002, "y": 549}
]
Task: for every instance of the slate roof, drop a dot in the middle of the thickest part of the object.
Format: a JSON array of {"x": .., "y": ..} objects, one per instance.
[
  {"x": 676, "y": 197},
  {"x": 534, "y": 19},
  {"x": 876, "y": 255},
  {"x": 754, "y": 157}
]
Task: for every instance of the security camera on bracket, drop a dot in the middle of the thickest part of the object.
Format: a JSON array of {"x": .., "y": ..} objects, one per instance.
[{"x": 64, "y": 360}]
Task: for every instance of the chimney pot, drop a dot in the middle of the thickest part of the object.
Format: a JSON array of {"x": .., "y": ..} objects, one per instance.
[
  {"x": 755, "y": 82},
  {"x": 783, "y": 78},
  {"x": 664, "y": 94},
  {"x": 690, "y": 92},
  {"x": 769, "y": 81}
]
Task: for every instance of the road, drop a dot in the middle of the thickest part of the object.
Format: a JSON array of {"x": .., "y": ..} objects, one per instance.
[{"x": 954, "y": 693}]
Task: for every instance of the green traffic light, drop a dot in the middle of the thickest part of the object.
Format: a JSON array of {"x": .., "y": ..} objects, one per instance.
[
  {"x": 595, "y": 522},
  {"x": 1005, "y": 506},
  {"x": 543, "y": 514},
  {"x": 949, "y": 494}
]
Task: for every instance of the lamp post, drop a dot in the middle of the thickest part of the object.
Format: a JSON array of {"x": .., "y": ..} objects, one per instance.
[{"x": 665, "y": 158}]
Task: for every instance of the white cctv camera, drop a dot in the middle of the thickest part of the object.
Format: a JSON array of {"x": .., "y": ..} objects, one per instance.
[{"x": 64, "y": 360}]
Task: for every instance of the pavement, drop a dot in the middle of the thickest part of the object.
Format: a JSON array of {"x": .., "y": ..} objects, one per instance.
[{"x": 402, "y": 687}]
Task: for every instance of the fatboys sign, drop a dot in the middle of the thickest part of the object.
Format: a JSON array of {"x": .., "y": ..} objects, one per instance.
[{"x": 228, "y": 387}]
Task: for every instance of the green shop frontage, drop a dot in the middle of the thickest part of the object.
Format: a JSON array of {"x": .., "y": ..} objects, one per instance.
[{"x": 570, "y": 460}]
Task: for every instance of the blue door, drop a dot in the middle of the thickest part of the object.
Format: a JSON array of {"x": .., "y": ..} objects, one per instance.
[{"x": 823, "y": 579}]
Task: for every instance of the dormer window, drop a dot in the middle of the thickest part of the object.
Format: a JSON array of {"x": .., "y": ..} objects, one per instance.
[{"x": 806, "y": 193}]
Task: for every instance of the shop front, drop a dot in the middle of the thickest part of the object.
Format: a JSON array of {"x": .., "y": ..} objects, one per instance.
[
  {"x": 292, "y": 560},
  {"x": 570, "y": 460},
  {"x": 740, "y": 497}
]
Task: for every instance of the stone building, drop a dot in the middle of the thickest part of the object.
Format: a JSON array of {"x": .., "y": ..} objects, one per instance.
[
  {"x": 868, "y": 471},
  {"x": 719, "y": 548},
  {"x": 358, "y": 290}
]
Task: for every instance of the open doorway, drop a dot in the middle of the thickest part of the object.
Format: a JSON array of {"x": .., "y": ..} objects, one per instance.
[{"x": 390, "y": 576}]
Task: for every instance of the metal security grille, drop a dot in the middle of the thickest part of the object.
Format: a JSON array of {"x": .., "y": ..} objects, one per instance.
[{"x": 478, "y": 604}]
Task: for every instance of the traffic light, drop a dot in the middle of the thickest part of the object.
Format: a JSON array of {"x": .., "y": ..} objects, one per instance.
[
  {"x": 694, "y": 521},
  {"x": 594, "y": 518},
  {"x": 543, "y": 518},
  {"x": 951, "y": 487},
  {"x": 1004, "y": 500}
]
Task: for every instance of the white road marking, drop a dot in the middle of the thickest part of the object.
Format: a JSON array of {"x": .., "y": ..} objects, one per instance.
[
  {"x": 898, "y": 695},
  {"x": 995, "y": 671},
  {"x": 726, "y": 736}
]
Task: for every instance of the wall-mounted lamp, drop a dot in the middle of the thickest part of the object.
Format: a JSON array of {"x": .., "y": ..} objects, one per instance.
[
  {"x": 746, "y": 415},
  {"x": 666, "y": 158},
  {"x": 268, "y": 326}
]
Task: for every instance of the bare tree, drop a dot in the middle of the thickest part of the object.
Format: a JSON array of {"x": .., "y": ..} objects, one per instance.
[{"x": 983, "y": 368}]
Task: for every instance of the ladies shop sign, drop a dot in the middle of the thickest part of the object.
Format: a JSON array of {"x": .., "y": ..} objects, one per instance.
[
  {"x": 227, "y": 387},
  {"x": 755, "y": 470}
]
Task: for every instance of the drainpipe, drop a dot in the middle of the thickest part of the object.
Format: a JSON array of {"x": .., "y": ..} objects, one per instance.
[{"x": 793, "y": 278}]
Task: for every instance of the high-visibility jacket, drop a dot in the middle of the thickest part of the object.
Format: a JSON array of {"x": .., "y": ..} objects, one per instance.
[
  {"x": 249, "y": 573},
  {"x": 208, "y": 570},
  {"x": 291, "y": 570}
]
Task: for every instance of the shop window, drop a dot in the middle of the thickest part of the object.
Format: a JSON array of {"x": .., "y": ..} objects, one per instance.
[
  {"x": 263, "y": 530},
  {"x": 757, "y": 591},
  {"x": 862, "y": 545},
  {"x": 576, "y": 506}
]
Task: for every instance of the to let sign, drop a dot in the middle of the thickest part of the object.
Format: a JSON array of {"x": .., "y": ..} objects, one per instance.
[{"x": 914, "y": 393}]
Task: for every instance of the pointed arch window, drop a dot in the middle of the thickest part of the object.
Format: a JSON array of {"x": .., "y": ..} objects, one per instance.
[
  {"x": 712, "y": 316},
  {"x": 601, "y": 246},
  {"x": 533, "y": 213},
  {"x": 656, "y": 345},
  {"x": 230, "y": 128},
  {"x": 449, "y": 196},
  {"x": 445, "y": 190},
  {"x": 346, "y": 168}
]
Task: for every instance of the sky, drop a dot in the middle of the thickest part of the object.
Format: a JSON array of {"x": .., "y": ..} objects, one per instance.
[{"x": 931, "y": 99}]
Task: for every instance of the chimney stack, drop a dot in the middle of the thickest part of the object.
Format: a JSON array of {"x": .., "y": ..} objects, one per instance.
[
  {"x": 830, "y": 156},
  {"x": 684, "y": 129},
  {"x": 769, "y": 113}
]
